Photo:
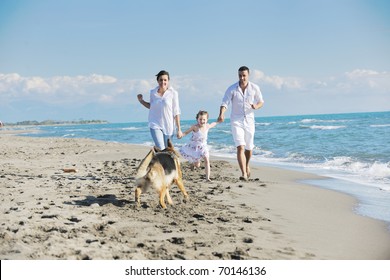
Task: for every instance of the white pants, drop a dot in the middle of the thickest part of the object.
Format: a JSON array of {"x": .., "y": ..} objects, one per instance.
[{"x": 243, "y": 133}]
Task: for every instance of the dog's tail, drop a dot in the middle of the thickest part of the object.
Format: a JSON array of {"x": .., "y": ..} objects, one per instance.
[{"x": 142, "y": 168}]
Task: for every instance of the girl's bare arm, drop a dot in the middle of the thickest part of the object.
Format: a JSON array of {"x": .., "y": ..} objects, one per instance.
[
  {"x": 189, "y": 130},
  {"x": 213, "y": 124}
]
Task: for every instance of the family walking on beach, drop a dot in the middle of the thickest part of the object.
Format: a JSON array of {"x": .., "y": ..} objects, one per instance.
[{"x": 244, "y": 97}]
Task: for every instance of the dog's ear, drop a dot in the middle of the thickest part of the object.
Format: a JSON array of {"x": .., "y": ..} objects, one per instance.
[
  {"x": 156, "y": 150},
  {"x": 170, "y": 145},
  {"x": 142, "y": 168}
]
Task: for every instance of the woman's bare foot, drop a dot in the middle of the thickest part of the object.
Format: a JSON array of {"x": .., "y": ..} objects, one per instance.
[
  {"x": 244, "y": 178},
  {"x": 248, "y": 172}
]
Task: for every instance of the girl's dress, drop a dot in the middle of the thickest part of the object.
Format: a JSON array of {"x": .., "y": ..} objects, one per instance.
[{"x": 197, "y": 148}]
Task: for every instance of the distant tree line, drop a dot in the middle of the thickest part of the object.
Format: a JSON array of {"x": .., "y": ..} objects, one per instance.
[{"x": 52, "y": 122}]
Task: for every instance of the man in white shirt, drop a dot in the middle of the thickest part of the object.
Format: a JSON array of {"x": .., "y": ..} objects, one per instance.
[{"x": 244, "y": 97}]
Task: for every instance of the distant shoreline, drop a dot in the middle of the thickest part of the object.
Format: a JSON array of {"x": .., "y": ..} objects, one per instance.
[
  {"x": 51, "y": 122},
  {"x": 28, "y": 127}
]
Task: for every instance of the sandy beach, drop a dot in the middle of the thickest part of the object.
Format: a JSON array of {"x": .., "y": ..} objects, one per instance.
[{"x": 49, "y": 214}]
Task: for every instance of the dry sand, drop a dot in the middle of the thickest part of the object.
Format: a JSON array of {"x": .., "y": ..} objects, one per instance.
[{"x": 91, "y": 214}]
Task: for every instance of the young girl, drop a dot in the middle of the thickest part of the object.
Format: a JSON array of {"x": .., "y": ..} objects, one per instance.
[{"x": 197, "y": 148}]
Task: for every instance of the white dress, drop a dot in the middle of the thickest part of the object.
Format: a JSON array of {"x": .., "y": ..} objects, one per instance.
[{"x": 197, "y": 148}]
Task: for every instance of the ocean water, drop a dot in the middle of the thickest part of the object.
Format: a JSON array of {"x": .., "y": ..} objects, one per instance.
[{"x": 353, "y": 150}]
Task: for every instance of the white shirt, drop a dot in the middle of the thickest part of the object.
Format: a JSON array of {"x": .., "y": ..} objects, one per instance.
[
  {"x": 163, "y": 110},
  {"x": 242, "y": 101}
]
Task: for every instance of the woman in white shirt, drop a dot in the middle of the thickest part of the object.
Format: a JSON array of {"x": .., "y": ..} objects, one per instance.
[{"x": 164, "y": 111}]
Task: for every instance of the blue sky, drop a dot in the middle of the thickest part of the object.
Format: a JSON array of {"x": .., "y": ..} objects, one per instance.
[{"x": 84, "y": 59}]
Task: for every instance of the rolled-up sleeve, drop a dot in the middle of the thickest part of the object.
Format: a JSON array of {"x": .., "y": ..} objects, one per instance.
[
  {"x": 175, "y": 104},
  {"x": 227, "y": 98},
  {"x": 258, "y": 95}
]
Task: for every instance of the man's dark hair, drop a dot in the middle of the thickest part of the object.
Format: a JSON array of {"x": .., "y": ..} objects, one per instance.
[{"x": 243, "y": 68}]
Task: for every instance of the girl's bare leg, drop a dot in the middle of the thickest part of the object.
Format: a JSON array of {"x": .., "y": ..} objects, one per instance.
[{"x": 207, "y": 167}]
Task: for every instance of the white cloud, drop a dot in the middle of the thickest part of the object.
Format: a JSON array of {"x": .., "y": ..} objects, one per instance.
[
  {"x": 104, "y": 98},
  {"x": 356, "y": 81},
  {"x": 36, "y": 84},
  {"x": 361, "y": 73},
  {"x": 358, "y": 89},
  {"x": 8, "y": 81},
  {"x": 369, "y": 78},
  {"x": 276, "y": 81},
  {"x": 9, "y": 78},
  {"x": 57, "y": 89}
]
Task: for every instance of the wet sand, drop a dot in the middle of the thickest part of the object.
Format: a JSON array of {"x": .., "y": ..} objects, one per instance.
[{"x": 91, "y": 214}]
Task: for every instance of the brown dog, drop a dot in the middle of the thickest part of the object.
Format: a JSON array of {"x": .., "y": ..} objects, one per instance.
[{"x": 160, "y": 169}]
